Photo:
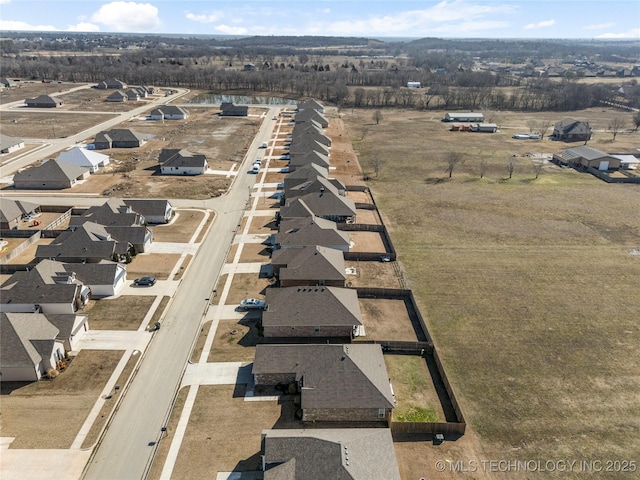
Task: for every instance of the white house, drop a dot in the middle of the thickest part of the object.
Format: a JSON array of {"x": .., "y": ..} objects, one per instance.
[
  {"x": 184, "y": 162},
  {"x": 10, "y": 144},
  {"x": 168, "y": 112},
  {"x": 414, "y": 85},
  {"x": 85, "y": 158}
]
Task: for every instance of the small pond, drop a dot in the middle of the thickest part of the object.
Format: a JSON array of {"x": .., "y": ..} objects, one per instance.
[{"x": 215, "y": 98}]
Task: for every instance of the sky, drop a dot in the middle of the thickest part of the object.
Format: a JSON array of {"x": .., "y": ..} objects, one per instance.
[{"x": 606, "y": 19}]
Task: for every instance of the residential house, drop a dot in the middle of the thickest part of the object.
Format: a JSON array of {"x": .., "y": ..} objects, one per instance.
[
  {"x": 231, "y": 110},
  {"x": 586, "y": 157},
  {"x": 88, "y": 243},
  {"x": 117, "y": 96},
  {"x": 133, "y": 95},
  {"x": 310, "y": 133},
  {"x": 33, "y": 343},
  {"x": 570, "y": 130},
  {"x": 169, "y": 112},
  {"x": 12, "y": 212},
  {"x": 249, "y": 67},
  {"x": 50, "y": 175},
  {"x": 329, "y": 453},
  {"x": 304, "y": 173},
  {"x": 46, "y": 288},
  {"x": 183, "y": 162},
  {"x": 308, "y": 115},
  {"x": 313, "y": 185},
  {"x": 105, "y": 278},
  {"x": 153, "y": 211},
  {"x": 10, "y": 144},
  {"x": 112, "y": 83},
  {"x": 118, "y": 138},
  {"x": 311, "y": 104},
  {"x": 309, "y": 265},
  {"x": 44, "y": 101},
  {"x": 325, "y": 204},
  {"x": 83, "y": 157},
  {"x": 305, "y": 231},
  {"x": 627, "y": 162},
  {"x": 337, "y": 383},
  {"x": 297, "y": 160},
  {"x": 114, "y": 212},
  {"x": 318, "y": 312},
  {"x": 7, "y": 82}
]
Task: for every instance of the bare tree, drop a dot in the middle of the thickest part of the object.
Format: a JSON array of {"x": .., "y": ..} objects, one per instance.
[
  {"x": 453, "y": 159},
  {"x": 636, "y": 120},
  {"x": 615, "y": 125},
  {"x": 542, "y": 126},
  {"x": 377, "y": 116},
  {"x": 537, "y": 167},
  {"x": 511, "y": 166},
  {"x": 363, "y": 132},
  {"x": 532, "y": 123},
  {"x": 482, "y": 167},
  {"x": 377, "y": 164}
]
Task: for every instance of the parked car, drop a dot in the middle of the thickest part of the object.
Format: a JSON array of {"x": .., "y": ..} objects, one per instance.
[
  {"x": 264, "y": 145},
  {"x": 258, "y": 161},
  {"x": 255, "y": 168},
  {"x": 144, "y": 281},
  {"x": 252, "y": 304}
]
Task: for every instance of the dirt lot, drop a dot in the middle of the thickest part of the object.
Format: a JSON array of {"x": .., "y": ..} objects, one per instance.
[
  {"x": 208, "y": 446},
  {"x": 366, "y": 242},
  {"x": 373, "y": 274},
  {"x": 503, "y": 271},
  {"x": 181, "y": 228},
  {"x": 386, "y": 320},
  {"x": 123, "y": 313},
  {"x": 75, "y": 391},
  {"x": 47, "y": 124}
]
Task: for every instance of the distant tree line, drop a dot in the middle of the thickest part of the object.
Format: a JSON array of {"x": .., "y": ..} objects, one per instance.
[{"x": 374, "y": 77}]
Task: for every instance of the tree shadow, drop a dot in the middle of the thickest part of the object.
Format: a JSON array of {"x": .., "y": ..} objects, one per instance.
[{"x": 436, "y": 180}]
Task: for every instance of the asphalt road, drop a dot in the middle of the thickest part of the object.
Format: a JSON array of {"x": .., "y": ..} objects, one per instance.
[
  {"x": 50, "y": 147},
  {"x": 126, "y": 449}
]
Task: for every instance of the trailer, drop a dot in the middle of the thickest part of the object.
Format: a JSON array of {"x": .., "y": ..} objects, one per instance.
[{"x": 484, "y": 127}]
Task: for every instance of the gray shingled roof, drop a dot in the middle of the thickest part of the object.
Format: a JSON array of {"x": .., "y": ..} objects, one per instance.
[
  {"x": 333, "y": 376},
  {"x": 37, "y": 286},
  {"x": 24, "y": 338},
  {"x": 311, "y": 306},
  {"x": 101, "y": 273},
  {"x": 114, "y": 212},
  {"x": 7, "y": 141},
  {"x": 324, "y": 204},
  {"x": 147, "y": 208},
  {"x": 12, "y": 209},
  {"x": 313, "y": 185},
  {"x": 582, "y": 151},
  {"x": 311, "y": 263},
  {"x": 336, "y": 454},
  {"x": 301, "y": 231},
  {"x": 184, "y": 158},
  {"x": 51, "y": 170},
  {"x": 88, "y": 240},
  {"x": 119, "y": 135}
]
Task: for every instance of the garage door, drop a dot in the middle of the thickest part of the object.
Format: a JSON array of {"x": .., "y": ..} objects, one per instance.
[{"x": 604, "y": 165}]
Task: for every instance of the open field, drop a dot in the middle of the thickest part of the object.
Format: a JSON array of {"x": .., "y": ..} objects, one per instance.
[
  {"x": 528, "y": 287},
  {"x": 49, "y": 414},
  {"x": 47, "y": 124}
]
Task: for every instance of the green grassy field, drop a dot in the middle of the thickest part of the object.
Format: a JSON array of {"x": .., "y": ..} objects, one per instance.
[{"x": 528, "y": 286}]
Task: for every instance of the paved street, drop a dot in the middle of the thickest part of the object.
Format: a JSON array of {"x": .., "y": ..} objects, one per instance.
[{"x": 126, "y": 449}]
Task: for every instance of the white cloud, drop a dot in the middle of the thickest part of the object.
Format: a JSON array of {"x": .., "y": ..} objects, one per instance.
[
  {"x": 128, "y": 17},
  {"x": 211, "y": 18},
  {"x": 324, "y": 10},
  {"x": 635, "y": 33},
  {"x": 599, "y": 26},
  {"x": 455, "y": 17},
  {"x": 18, "y": 25},
  {"x": 4, "y": 1},
  {"x": 543, "y": 24},
  {"x": 83, "y": 27},
  {"x": 229, "y": 30}
]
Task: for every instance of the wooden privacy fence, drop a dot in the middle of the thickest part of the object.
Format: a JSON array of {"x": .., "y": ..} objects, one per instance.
[{"x": 458, "y": 425}]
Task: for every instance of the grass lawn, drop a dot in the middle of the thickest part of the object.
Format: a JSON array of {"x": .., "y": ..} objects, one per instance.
[
  {"x": 527, "y": 286},
  {"x": 386, "y": 319},
  {"x": 157, "y": 265},
  {"x": 416, "y": 397},
  {"x": 235, "y": 341},
  {"x": 122, "y": 313},
  {"x": 48, "y": 414},
  {"x": 181, "y": 229}
]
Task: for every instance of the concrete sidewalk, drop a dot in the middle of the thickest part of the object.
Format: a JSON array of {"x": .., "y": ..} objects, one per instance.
[
  {"x": 114, "y": 340},
  {"x": 254, "y": 267},
  {"x": 20, "y": 464},
  {"x": 171, "y": 247},
  {"x": 218, "y": 373}
]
